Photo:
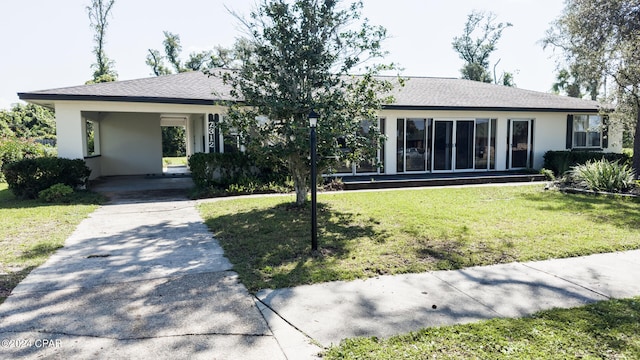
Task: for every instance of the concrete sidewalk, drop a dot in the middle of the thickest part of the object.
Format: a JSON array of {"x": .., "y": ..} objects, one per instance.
[
  {"x": 390, "y": 305},
  {"x": 137, "y": 280}
]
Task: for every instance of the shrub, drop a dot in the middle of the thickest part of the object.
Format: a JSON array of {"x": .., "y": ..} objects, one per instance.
[
  {"x": 27, "y": 177},
  {"x": 56, "y": 193},
  {"x": 603, "y": 175},
  {"x": 223, "y": 170},
  {"x": 548, "y": 174},
  {"x": 14, "y": 149},
  {"x": 561, "y": 161}
]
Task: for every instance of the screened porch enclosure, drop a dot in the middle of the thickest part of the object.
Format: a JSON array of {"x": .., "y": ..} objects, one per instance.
[{"x": 444, "y": 145}]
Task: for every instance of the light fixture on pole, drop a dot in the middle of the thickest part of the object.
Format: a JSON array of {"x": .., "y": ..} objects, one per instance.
[{"x": 313, "y": 123}]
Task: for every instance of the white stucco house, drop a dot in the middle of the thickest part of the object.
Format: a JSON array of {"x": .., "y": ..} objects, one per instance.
[{"x": 435, "y": 125}]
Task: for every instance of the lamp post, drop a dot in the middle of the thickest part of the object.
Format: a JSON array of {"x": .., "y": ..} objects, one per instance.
[{"x": 313, "y": 123}]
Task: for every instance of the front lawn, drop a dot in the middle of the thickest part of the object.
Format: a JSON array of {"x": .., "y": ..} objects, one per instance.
[
  {"x": 605, "y": 330},
  {"x": 175, "y": 161},
  {"x": 365, "y": 234},
  {"x": 30, "y": 231}
]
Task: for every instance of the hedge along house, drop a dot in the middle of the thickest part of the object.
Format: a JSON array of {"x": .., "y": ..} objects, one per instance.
[{"x": 435, "y": 125}]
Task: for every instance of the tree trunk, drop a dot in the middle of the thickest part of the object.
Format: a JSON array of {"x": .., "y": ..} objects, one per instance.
[
  {"x": 299, "y": 176},
  {"x": 301, "y": 193},
  {"x": 636, "y": 142}
]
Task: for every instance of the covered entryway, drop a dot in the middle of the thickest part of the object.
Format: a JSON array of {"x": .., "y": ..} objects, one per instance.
[{"x": 125, "y": 143}]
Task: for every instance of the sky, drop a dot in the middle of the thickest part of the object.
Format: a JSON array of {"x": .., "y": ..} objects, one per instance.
[{"x": 47, "y": 44}]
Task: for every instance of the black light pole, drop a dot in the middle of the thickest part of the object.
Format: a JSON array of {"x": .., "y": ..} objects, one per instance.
[{"x": 313, "y": 122}]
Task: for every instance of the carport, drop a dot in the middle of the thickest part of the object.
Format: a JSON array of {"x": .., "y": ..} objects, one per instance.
[{"x": 117, "y": 127}]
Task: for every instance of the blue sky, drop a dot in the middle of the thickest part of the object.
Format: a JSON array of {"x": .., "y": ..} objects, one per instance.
[{"x": 48, "y": 44}]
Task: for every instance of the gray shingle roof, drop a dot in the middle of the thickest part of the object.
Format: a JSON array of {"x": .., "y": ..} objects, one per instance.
[
  {"x": 187, "y": 88},
  {"x": 418, "y": 93}
]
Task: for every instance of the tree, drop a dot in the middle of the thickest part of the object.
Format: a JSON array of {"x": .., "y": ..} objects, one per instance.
[
  {"x": 99, "y": 11},
  {"x": 602, "y": 40},
  {"x": 299, "y": 57},
  {"x": 27, "y": 121},
  {"x": 475, "y": 51},
  {"x": 197, "y": 61},
  {"x": 154, "y": 60},
  {"x": 173, "y": 137},
  {"x": 572, "y": 83}
]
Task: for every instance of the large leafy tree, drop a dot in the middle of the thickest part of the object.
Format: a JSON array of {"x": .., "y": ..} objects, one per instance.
[
  {"x": 602, "y": 40},
  {"x": 197, "y": 61},
  {"x": 478, "y": 40},
  {"x": 27, "y": 121},
  {"x": 300, "y": 58},
  {"x": 99, "y": 12}
]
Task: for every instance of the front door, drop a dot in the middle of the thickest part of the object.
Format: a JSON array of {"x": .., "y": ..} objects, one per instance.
[{"x": 520, "y": 138}]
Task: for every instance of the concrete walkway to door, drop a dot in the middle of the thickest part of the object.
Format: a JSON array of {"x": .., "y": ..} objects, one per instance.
[{"x": 141, "y": 278}]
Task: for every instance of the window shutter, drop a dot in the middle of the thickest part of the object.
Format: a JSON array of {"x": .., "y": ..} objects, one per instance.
[
  {"x": 569, "y": 131},
  {"x": 531, "y": 145},
  {"x": 508, "y": 165},
  {"x": 605, "y": 131}
]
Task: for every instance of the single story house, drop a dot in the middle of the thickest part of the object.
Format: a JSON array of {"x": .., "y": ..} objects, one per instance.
[{"x": 435, "y": 125}]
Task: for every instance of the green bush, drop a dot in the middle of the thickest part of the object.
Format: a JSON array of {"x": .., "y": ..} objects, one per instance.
[
  {"x": 548, "y": 174},
  {"x": 27, "y": 177},
  {"x": 561, "y": 161},
  {"x": 224, "y": 170},
  {"x": 603, "y": 175},
  {"x": 14, "y": 149},
  {"x": 56, "y": 193}
]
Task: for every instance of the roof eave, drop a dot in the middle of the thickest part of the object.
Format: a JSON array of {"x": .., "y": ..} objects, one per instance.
[
  {"x": 488, "y": 108},
  {"x": 134, "y": 99}
]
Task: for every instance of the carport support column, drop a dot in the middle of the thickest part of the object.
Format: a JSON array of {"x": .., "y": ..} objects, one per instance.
[{"x": 69, "y": 132}]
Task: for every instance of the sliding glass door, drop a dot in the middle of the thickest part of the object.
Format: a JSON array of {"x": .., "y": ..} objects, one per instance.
[
  {"x": 485, "y": 153},
  {"x": 411, "y": 145},
  {"x": 443, "y": 145},
  {"x": 464, "y": 145}
]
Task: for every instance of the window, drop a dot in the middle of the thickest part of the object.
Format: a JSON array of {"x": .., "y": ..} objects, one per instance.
[
  {"x": 92, "y": 138},
  {"x": 412, "y": 140},
  {"x": 587, "y": 131},
  {"x": 345, "y": 166},
  {"x": 231, "y": 141}
]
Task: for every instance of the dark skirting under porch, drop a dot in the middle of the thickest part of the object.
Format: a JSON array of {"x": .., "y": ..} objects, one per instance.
[{"x": 357, "y": 182}]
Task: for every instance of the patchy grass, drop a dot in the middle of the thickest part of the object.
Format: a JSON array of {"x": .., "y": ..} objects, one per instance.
[
  {"x": 604, "y": 330},
  {"x": 30, "y": 231},
  {"x": 175, "y": 161},
  {"x": 365, "y": 234}
]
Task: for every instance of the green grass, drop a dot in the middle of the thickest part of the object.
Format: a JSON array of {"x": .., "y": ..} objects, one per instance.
[
  {"x": 365, "y": 234},
  {"x": 175, "y": 161},
  {"x": 30, "y": 231},
  {"x": 604, "y": 330}
]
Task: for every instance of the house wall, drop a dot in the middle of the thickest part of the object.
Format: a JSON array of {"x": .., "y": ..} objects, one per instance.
[
  {"x": 196, "y": 133},
  {"x": 131, "y": 144},
  {"x": 69, "y": 131},
  {"x": 95, "y": 164},
  {"x": 130, "y": 139}
]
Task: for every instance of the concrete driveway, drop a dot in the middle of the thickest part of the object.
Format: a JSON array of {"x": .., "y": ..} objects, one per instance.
[{"x": 140, "y": 278}]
